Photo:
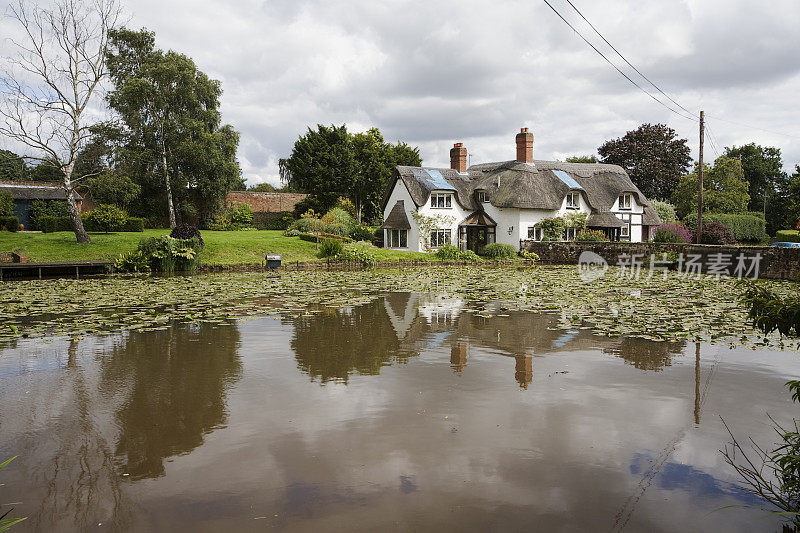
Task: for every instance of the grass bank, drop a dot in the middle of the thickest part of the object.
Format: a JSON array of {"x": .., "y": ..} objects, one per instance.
[{"x": 221, "y": 247}]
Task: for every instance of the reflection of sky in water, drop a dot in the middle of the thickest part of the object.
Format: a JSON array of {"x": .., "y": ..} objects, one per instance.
[{"x": 676, "y": 476}]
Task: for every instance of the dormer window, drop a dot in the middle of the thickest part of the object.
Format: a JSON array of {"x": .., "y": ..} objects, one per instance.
[
  {"x": 625, "y": 201},
  {"x": 483, "y": 197},
  {"x": 442, "y": 201},
  {"x": 573, "y": 200}
]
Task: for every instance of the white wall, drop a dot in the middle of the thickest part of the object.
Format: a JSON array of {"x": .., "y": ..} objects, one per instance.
[
  {"x": 635, "y": 212},
  {"x": 400, "y": 192},
  {"x": 456, "y": 212}
]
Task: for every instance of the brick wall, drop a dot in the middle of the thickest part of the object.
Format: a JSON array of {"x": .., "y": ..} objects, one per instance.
[
  {"x": 775, "y": 263},
  {"x": 265, "y": 202}
]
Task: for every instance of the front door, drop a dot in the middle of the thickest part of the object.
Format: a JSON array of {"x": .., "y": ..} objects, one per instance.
[{"x": 476, "y": 238}]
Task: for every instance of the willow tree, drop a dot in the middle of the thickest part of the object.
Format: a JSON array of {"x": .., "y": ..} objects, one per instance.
[{"x": 50, "y": 84}]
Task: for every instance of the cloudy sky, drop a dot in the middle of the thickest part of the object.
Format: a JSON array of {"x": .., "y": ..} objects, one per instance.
[{"x": 432, "y": 73}]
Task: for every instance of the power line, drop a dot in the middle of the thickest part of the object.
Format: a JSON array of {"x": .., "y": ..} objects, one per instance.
[
  {"x": 613, "y": 65},
  {"x": 755, "y": 127},
  {"x": 628, "y": 62}
]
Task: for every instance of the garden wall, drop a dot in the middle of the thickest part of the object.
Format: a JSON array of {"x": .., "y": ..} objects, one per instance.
[{"x": 775, "y": 263}]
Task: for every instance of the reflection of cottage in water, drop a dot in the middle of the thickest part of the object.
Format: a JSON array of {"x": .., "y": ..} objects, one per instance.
[{"x": 336, "y": 343}]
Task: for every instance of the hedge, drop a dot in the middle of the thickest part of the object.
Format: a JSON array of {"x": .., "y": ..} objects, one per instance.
[
  {"x": 9, "y": 223},
  {"x": 280, "y": 220},
  {"x": 53, "y": 224},
  {"x": 787, "y": 235},
  {"x": 746, "y": 227}
]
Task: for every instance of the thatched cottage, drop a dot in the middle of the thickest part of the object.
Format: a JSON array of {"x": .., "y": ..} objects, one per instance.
[{"x": 425, "y": 208}]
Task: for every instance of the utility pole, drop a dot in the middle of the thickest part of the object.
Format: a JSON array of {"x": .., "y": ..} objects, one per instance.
[{"x": 700, "y": 183}]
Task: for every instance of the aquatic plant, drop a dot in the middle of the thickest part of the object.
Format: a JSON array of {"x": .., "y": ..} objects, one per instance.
[
  {"x": 6, "y": 523},
  {"x": 772, "y": 475}
]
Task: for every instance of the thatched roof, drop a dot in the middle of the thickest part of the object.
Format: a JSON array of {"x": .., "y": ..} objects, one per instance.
[
  {"x": 603, "y": 219},
  {"x": 397, "y": 218},
  {"x": 39, "y": 191},
  {"x": 537, "y": 185}
]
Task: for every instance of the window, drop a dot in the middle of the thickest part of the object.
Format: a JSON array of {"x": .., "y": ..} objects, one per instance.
[
  {"x": 625, "y": 231},
  {"x": 440, "y": 237},
  {"x": 570, "y": 233},
  {"x": 397, "y": 238},
  {"x": 625, "y": 201},
  {"x": 483, "y": 197},
  {"x": 573, "y": 200},
  {"x": 442, "y": 201},
  {"x": 534, "y": 233}
]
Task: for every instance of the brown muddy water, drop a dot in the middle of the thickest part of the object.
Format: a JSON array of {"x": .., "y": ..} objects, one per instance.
[{"x": 407, "y": 413}]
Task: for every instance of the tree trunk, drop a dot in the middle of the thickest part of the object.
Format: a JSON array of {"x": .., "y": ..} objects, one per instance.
[
  {"x": 74, "y": 213},
  {"x": 170, "y": 205}
]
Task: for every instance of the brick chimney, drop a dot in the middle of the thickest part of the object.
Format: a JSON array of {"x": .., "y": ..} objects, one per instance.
[
  {"x": 524, "y": 146},
  {"x": 458, "y": 157}
]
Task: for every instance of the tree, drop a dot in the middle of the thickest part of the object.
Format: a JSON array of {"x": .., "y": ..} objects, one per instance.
[
  {"x": 322, "y": 164},
  {"x": 51, "y": 81},
  {"x": 12, "y": 167},
  {"x": 763, "y": 169},
  {"x": 724, "y": 189},
  {"x": 652, "y": 155},
  {"x": 582, "y": 159},
  {"x": 330, "y": 163},
  {"x": 263, "y": 187},
  {"x": 792, "y": 219},
  {"x": 113, "y": 188},
  {"x": 170, "y": 110}
]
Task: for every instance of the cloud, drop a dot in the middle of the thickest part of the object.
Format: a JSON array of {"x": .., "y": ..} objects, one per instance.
[{"x": 432, "y": 73}]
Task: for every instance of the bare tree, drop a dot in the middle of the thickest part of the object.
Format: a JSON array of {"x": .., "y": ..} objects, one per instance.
[{"x": 49, "y": 84}]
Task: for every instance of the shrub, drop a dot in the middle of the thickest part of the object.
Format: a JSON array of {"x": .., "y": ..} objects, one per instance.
[
  {"x": 665, "y": 210},
  {"x": 330, "y": 248},
  {"x": 716, "y": 233},
  {"x": 105, "y": 218},
  {"x": 134, "y": 261},
  {"x": 341, "y": 230},
  {"x": 746, "y": 227},
  {"x": 6, "y": 204},
  {"x": 340, "y": 217},
  {"x": 9, "y": 223},
  {"x": 552, "y": 228},
  {"x": 133, "y": 224},
  {"x": 53, "y": 224},
  {"x": 279, "y": 220},
  {"x": 499, "y": 251},
  {"x": 530, "y": 256},
  {"x": 241, "y": 215},
  {"x": 362, "y": 233},
  {"x": 309, "y": 203},
  {"x": 787, "y": 235},
  {"x": 168, "y": 255},
  {"x": 347, "y": 205},
  {"x": 291, "y": 233},
  {"x": 449, "y": 252},
  {"x": 591, "y": 235},
  {"x": 45, "y": 208},
  {"x": 359, "y": 252},
  {"x": 672, "y": 232},
  {"x": 186, "y": 232}
]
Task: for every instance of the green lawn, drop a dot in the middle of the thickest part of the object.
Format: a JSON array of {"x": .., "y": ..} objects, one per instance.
[{"x": 221, "y": 247}]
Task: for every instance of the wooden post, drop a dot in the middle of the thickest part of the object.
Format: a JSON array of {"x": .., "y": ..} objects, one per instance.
[{"x": 700, "y": 183}]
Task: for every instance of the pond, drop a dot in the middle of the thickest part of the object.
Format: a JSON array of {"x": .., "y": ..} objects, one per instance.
[{"x": 415, "y": 411}]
